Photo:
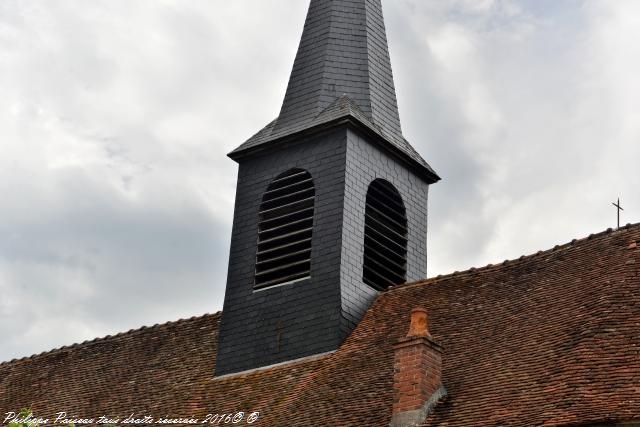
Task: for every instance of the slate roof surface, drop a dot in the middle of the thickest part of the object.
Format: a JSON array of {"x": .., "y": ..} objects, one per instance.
[
  {"x": 343, "y": 50},
  {"x": 343, "y": 53},
  {"x": 341, "y": 107},
  {"x": 548, "y": 339}
]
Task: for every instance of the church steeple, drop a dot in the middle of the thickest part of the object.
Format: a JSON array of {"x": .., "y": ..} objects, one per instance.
[
  {"x": 343, "y": 51},
  {"x": 331, "y": 202},
  {"x": 342, "y": 69}
]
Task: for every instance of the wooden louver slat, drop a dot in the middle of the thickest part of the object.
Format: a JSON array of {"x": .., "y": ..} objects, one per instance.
[
  {"x": 385, "y": 237},
  {"x": 285, "y": 230}
]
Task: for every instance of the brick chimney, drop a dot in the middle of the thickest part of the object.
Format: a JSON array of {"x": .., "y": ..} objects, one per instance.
[{"x": 417, "y": 380}]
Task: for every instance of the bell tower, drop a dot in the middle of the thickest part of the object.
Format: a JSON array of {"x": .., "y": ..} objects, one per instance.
[{"x": 331, "y": 202}]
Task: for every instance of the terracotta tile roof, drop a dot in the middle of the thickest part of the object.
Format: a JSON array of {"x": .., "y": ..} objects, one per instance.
[{"x": 548, "y": 339}]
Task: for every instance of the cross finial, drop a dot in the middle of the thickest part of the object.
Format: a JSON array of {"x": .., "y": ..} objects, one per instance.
[{"x": 619, "y": 207}]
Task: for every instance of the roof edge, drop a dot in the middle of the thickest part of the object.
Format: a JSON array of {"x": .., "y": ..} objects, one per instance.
[
  {"x": 427, "y": 173},
  {"x": 428, "y": 281},
  {"x": 510, "y": 262},
  {"x": 107, "y": 338},
  {"x": 248, "y": 372}
]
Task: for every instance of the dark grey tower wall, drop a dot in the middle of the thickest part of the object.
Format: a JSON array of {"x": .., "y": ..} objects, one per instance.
[
  {"x": 339, "y": 121},
  {"x": 315, "y": 315},
  {"x": 365, "y": 163},
  {"x": 306, "y": 314}
]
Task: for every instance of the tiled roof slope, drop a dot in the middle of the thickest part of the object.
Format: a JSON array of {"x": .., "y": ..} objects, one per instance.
[
  {"x": 549, "y": 339},
  {"x": 343, "y": 52}
]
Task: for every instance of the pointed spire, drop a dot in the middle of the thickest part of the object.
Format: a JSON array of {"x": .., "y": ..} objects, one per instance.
[
  {"x": 343, "y": 51},
  {"x": 342, "y": 69}
]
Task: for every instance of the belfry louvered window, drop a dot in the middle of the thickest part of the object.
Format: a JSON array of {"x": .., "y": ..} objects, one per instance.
[
  {"x": 285, "y": 229},
  {"x": 385, "y": 237}
]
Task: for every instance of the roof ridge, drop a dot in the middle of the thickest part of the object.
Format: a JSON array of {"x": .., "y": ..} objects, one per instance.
[
  {"x": 106, "y": 338},
  {"x": 509, "y": 262},
  {"x": 341, "y": 102}
]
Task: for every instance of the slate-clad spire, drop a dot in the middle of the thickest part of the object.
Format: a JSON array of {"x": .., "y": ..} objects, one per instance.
[
  {"x": 342, "y": 69},
  {"x": 343, "y": 51}
]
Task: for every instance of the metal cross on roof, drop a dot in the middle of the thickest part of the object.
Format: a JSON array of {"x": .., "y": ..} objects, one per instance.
[{"x": 617, "y": 205}]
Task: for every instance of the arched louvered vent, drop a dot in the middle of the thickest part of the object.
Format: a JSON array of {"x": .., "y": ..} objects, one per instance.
[
  {"x": 385, "y": 237},
  {"x": 285, "y": 228}
]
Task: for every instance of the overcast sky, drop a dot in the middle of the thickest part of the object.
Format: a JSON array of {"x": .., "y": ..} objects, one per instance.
[{"x": 116, "y": 195}]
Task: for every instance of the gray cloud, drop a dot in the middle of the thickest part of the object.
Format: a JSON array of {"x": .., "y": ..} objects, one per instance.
[{"x": 115, "y": 118}]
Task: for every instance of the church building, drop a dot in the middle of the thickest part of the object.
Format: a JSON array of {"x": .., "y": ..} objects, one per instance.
[{"x": 329, "y": 318}]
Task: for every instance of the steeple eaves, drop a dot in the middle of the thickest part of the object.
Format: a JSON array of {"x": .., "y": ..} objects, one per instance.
[{"x": 340, "y": 110}]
